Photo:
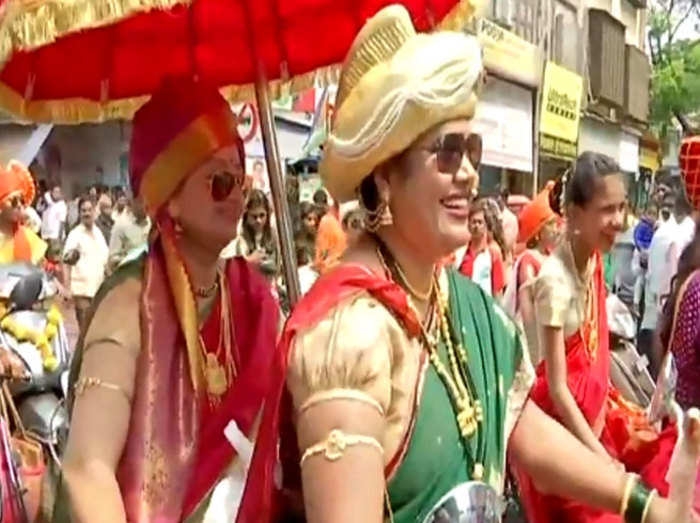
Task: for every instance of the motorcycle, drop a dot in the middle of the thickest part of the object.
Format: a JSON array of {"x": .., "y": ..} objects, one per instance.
[
  {"x": 629, "y": 371},
  {"x": 35, "y": 357}
]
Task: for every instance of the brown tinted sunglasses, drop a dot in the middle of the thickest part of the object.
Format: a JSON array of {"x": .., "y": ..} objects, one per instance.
[{"x": 451, "y": 148}]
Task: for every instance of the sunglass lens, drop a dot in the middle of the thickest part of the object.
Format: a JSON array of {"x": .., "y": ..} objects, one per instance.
[{"x": 221, "y": 186}]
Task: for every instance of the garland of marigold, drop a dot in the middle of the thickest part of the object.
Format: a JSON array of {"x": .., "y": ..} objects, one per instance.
[{"x": 41, "y": 340}]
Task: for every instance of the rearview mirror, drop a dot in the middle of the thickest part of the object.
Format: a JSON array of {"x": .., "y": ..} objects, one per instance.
[{"x": 26, "y": 291}]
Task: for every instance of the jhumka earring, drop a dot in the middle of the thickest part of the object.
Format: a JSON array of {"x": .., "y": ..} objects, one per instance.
[{"x": 380, "y": 217}]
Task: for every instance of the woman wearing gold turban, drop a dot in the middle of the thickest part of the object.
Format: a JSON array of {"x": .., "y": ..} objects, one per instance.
[
  {"x": 405, "y": 383},
  {"x": 180, "y": 342}
]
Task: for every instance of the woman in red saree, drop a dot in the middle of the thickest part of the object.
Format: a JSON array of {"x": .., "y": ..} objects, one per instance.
[
  {"x": 179, "y": 342},
  {"x": 573, "y": 380}
]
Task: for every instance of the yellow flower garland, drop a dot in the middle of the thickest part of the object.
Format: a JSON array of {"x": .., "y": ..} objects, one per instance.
[{"x": 41, "y": 340}]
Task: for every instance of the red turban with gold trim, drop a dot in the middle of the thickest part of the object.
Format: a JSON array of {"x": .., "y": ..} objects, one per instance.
[{"x": 183, "y": 124}]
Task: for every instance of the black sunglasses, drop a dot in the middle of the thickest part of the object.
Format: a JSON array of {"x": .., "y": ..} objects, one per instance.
[
  {"x": 451, "y": 148},
  {"x": 223, "y": 184}
]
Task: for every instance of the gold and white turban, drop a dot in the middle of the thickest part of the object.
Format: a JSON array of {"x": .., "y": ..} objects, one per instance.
[{"x": 395, "y": 85}]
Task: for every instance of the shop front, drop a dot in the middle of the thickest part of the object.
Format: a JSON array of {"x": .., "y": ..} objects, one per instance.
[
  {"x": 559, "y": 122},
  {"x": 505, "y": 113}
]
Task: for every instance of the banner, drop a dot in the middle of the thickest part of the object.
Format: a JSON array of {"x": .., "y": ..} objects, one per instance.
[
  {"x": 509, "y": 56},
  {"x": 561, "y": 103}
]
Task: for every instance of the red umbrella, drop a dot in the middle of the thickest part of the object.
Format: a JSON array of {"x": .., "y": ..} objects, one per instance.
[{"x": 73, "y": 61}]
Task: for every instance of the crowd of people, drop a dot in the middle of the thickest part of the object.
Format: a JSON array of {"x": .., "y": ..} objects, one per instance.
[{"x": 401, "y": 386}]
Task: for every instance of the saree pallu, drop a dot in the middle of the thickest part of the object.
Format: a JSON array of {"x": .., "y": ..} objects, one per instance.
[
  {"x": 622, "y": 427},
  {"x": 176, "y": 450}
]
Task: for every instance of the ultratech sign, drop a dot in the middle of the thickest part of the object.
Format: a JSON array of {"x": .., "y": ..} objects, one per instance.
[{"x": 561, "y": 103}]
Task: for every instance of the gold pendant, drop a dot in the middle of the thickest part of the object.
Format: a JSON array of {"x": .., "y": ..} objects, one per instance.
[
  {"x": 217, "y": 384},
  {"x": 466, "y": 418},
  {"x": 478, "y": 473}
]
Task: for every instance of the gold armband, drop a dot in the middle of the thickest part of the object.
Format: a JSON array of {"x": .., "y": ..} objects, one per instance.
[
  {"x": 83, "y": 384},
  {"x": 333, "y": 447},
  {"x": 341, "y": 394}
]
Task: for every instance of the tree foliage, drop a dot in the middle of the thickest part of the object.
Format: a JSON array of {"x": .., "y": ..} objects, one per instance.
[{"x": 676, "y": 65}]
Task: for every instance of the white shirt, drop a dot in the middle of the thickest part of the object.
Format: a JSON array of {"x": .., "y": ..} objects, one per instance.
[
  {"x": 307, "y": 278},
  {"x": 663, "y": 258},
  {"x": 52, "y": 220},
  {"x": 87, "y": 274},
  {"x": 481, "y": 273}
]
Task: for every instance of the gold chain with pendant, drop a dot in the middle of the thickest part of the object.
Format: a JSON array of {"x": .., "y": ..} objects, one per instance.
[
  {"x": 469, "y": 411},
  {"x": 218, "y": 376}
]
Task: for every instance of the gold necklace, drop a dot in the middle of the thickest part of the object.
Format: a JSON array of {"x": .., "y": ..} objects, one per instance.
[
  {"x": 207, "y": 292},
  {"x": 218, "y": 377},
  {"x": 469, "y": 411},
  {"x": 424, "y": 297}
]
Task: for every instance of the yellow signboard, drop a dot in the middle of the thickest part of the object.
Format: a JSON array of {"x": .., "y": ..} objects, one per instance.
[
  {"x": 509, "y": 56},
  {"x": 561, "y": 103}
]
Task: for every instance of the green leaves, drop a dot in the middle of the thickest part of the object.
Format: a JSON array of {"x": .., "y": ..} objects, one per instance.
[{"x": 676, "y": 64}]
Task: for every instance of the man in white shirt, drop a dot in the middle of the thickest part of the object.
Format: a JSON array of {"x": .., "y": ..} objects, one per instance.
[
  {"x": 667, "y": 244},
  {"x": 85, "y": 258},
  {"x": 53, "y": 222}
]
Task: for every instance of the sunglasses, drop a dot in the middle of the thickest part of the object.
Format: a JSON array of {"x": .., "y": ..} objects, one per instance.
[
  {"x": 223, "y": 183},
  {"x": 451, "y": 148}
]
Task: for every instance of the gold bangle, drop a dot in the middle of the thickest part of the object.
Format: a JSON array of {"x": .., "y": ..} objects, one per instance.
[
  {"x": 341, "y": 394},
  {"x": 647, "y": 506},
  {"x": 83, "y": 384},
  {"x": 333, "y": 447},
  {"x": 631, "y": 481}
]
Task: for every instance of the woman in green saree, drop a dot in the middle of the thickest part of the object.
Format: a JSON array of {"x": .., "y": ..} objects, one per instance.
[{"x": 405, "y": 384}]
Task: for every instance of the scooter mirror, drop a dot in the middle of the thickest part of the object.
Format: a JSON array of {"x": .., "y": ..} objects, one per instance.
[{"x": 26, "y": 291}]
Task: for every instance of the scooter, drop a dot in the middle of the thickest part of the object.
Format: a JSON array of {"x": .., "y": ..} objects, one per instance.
[
  {"x": 629, "y": 371},
  {"x": 31, "y": 328}
]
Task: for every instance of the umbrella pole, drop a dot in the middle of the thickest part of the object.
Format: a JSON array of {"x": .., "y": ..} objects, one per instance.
[{"x": 278, "y": 187}]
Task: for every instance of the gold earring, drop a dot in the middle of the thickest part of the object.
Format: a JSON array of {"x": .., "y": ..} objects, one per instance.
[{"x": 380, "y": 217}]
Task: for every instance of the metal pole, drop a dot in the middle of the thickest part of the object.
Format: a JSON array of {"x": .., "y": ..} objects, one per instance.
[{"x": 277, "y": 185}]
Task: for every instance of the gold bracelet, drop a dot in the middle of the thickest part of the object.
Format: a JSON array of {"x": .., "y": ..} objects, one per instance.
[
  {"x": 83, "y": 384},
  {"x": 647, "y": 506},
  {"x": 631, "y": 481},
  {"x": 333, "y": 447}
]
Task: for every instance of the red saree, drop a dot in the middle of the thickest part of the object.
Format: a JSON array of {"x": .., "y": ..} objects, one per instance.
[
  {"x": 622, "y": 427},
  {"x": 261, "y": 499},
  {"x": 176, "y": 449}
]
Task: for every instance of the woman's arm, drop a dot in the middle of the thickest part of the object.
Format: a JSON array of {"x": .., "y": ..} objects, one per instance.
[
  {"x": 563, "y": 400},
  {"x": 544, "y": 449},
  {"x": 101, "y": 412},
  {"x": 351, "y": 488}
]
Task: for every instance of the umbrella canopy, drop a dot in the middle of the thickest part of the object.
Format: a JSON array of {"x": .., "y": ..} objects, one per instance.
[{"x": 72, "y": 61}]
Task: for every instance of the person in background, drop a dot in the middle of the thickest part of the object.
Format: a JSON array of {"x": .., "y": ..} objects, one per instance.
[
  {"x": 258, "y": 175},
  {"x": 483, "y": 261},
  {"x": 623, "y": 255},
  {"x": 509, "y": 222},
  {"x": 308, "y": 226},
  {"x": 320, "y": 200},
  {"x": 331, "y": 240},
  {"x": 538, "y": 230},
  {"x": 129, "y": 234},
  {"x": 53, "y": 222},
  {"x": 104, "y": 219},
  {"x": 353, "y": 223},
  {"x": 121, "y": 207},
  {"x": 85, "y": 256},
  {"x": 18, "y": 243},
  {"x": 256, "y": 243},
  {"x": 492, "y": 213},
  {"x": 305, "y": 268},
  {"x": 31, "y": 218},
  {"x": 666, "y": 245}
]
